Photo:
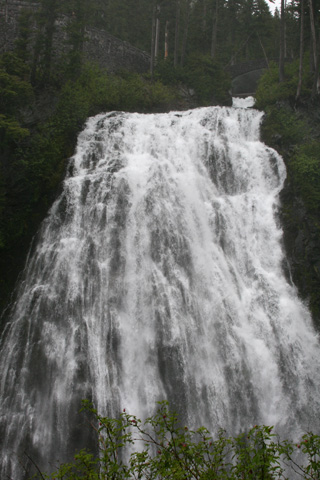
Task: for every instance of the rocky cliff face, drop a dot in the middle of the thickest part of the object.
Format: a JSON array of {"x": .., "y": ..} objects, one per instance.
[
  {"x": 104, "y": 49},
  {"x": 301, "y": 225},
  {"x": 302, "y": 242}
]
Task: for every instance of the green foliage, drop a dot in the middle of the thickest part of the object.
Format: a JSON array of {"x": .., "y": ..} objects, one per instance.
[
  {"x": 162, "y": 448},
  {"x": 12, "y": 64},
  {"x": 11, "y": 130},
  {"x": 283, "y": 127},
  {"x": 257, "y": 455},
  {"x": 15, "y": 92},
  {"x": 305, "y": 167},
  {"x": 208, "y": 79},
  {"x": 92, "y": 92},
  {"x": 270, "y": 90},
  {"x": 201, "y": 73},
  {"x": 168, "y": 74},
  {"x": 138, "y": 93},
  {"x": 310, "y": 447}
]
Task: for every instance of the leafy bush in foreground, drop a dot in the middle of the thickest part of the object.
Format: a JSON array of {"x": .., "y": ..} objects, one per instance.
[{"x": 163, "y": 449}]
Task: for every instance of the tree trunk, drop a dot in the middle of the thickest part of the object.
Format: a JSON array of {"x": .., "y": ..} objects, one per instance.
[
  {"x": 214, "y": 31},
  {"x": 166, "y": 40},
  {"x": 185, "y": 34},
  {"x": 282, "y": 43},
  {"x": 156, "y": 48},
  {"x": 316, "y": 83},
  {"x": 176, "y": 36},
  {"x": 204, "y": 16},
  {"x": 285, "y": 33},
  {"x": 153, "y": 40},
  {"x": 42, "y": 52},
  {"x": 301, "y": 50},
  {"x": 313, "y": 34},
  {"x": 263, "y": 50}
]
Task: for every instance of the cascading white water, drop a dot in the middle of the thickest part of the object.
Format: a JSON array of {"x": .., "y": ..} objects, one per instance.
[{"x": 159, "y": 274}]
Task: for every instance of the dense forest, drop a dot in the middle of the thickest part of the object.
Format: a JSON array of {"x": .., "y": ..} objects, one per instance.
[{"x": 47, "y": 93}]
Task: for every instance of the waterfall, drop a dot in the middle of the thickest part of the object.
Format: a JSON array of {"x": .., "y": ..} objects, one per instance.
[{"x": 158, "y": 274}]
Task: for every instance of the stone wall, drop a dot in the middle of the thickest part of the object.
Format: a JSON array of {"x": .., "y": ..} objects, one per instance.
[
  {"x": 112, "y": 53},
  {"x": 9, "y": 15},
  {"x": 107, "y": 51}
]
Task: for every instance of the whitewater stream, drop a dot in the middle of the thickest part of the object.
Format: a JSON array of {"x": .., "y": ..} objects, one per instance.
[{"x": 159, "y": 274}]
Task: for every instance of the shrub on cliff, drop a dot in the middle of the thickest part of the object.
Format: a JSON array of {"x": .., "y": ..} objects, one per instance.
[{"x": 270, "y": 90}]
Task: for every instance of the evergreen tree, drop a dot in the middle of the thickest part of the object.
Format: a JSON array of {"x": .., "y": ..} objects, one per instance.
[
  {"x": 43, "y": 49},
  {"x": 78, "y": 11}
]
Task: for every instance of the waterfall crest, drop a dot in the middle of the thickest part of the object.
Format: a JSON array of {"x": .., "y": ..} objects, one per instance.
[{"x": 158, "y": 273}]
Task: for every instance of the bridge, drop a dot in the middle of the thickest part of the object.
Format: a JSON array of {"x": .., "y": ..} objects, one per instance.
[
  {"x": 245, "y": 76},
  {"x": 245, "y": 67}
]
